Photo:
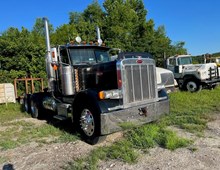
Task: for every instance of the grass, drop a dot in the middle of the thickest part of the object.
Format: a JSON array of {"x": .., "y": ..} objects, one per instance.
[
  {"x": 11, "y": 112},
  {"x": 17, "y": 132},
  {"x": 127, "y": 150},
  {"x": 121, "y": 150},
  {"x": 192, "y": 111},
  {"x": 22, "y": 132},
  {"x": 152, "y": 135},
  {"x": 2, "y": 159},
  {"x": 189, "y": 111}
]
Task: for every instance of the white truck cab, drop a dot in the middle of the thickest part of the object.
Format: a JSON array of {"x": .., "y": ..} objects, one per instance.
[{"x": 193, "y": 77}]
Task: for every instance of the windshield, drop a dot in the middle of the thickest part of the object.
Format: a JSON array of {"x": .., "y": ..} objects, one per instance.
[
  {"x": 102, "y": 56},
  {"x": 89, "y": 56},
  {"x": 184, "y": 60}
]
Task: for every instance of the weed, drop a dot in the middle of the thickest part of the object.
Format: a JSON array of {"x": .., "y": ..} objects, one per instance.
[
  {"x": 2, "y": 160},
  {"x": 121, "y": 150},
  {"x": 144, "y": 136},
  {"x": 169, "y": 139},
  {"x": 11, "y": 112},
  {"x": 22, "y": 132}
]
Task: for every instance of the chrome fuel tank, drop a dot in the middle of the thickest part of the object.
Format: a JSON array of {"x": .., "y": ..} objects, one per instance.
[{"x": 67, "y": 80}]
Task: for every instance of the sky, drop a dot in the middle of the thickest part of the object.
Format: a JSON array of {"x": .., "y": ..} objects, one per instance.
[{"x": 196, "y": 22}]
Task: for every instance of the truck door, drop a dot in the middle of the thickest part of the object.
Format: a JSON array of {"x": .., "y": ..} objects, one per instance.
[
  {"x": 65, "y": 74},
  {"x": 171, "y": 64}
]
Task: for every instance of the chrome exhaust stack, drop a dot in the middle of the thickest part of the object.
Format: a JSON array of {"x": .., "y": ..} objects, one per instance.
[
  {"x": 98, "y": 35},
  {"x": 48, "y": 59}
]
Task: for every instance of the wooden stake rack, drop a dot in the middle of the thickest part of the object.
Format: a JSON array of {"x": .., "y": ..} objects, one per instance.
[{"x": 27, "y": 80}]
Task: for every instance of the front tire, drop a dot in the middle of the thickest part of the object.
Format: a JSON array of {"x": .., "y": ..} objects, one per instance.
[
  {"x": 87, "y": 122},
  {"x": 193, "y": 86}
]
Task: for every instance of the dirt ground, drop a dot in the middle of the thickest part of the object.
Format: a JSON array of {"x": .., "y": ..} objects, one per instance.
[{"x": 203, "y": 154}]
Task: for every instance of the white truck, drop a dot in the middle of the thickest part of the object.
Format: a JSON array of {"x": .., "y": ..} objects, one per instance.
[{"x": 193, "y": 77}]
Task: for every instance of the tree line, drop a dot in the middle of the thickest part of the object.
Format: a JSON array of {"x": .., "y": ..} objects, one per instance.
[{"x": 123, "y": 24}]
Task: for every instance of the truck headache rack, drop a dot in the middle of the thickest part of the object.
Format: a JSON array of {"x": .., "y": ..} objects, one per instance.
[{"x": 213, "y": 73}]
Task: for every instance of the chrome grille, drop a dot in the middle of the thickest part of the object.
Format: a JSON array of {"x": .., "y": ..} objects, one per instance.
[
  {"x": 167, "y": 79},
  {"x": 138, "y": 82}
]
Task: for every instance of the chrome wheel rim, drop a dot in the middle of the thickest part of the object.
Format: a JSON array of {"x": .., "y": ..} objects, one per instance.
[{"x": 87, "y": 122}]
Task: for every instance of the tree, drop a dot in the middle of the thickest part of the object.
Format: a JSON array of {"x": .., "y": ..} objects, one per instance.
[
  {"x": 121, "y": 21},
  {"x": 20, "y": 56},
  {"x": 87, "y": 21},
  {"x": 178, "y": 48},
  {"x": 64, "y": 34},
  {"x": 38, "y": 27},
  {"x": 74, "y": 17}
]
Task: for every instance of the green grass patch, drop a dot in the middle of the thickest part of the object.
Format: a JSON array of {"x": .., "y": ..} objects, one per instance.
[
  {"x": 169, "y": 139},
  {"x": 21, "y": 132},
  {"x": 192, "y": 111},
  {"x": 18, "y": 132},
  {"x": 189, "y": 111},
  {"x": 11, "y": 112},
  {"x": 126, "y": 150},
  {"x": 152, "y": 135},
  {"x": 121, "y": 150},
  {"x": 2, "y": 159}
]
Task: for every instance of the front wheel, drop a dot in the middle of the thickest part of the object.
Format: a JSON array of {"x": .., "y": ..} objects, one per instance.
[
  {"x": 87, "y": 122},
  {"x": 193, "y": 86}
]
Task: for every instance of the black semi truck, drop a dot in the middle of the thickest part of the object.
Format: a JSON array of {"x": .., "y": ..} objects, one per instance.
[{"x": 97, "y": 93}]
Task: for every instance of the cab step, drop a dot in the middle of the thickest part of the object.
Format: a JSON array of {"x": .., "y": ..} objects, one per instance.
[{"x": 60, "y": 117}]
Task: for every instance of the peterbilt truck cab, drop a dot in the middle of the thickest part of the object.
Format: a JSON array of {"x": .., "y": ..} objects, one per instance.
[{"x": 98, "y": 94}]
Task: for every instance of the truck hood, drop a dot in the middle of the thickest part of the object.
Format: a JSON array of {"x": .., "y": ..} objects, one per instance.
[
  {"x": 165, "y": 77},
  {"x": 192, "y": 67},
  {"x": 196, "y": 67}
]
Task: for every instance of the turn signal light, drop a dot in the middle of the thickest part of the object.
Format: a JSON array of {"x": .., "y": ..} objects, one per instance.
[{"x": 101, "y": 95}]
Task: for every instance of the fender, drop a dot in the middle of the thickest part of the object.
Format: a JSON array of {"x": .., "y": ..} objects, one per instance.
[
  {"x": 92, "y": 96},
  {"x": 87, "y": 95},
  {"x": 190, "y": 76}
]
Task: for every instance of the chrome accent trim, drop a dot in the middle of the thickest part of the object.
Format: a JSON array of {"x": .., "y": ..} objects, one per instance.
[
  {"x": 67, "y": 80},
  {"x": 49, "y": 103},
  {"x": 62, "y": 109},
  {"x": 113, "y": 121},
  {"x": 115, "y": 108},
  {"x": 139, "y": 84}
]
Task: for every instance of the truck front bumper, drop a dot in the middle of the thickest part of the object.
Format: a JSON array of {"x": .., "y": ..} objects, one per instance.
[
  {"x": 114, "y": 121},
  {"x": 212, "y": 81}
]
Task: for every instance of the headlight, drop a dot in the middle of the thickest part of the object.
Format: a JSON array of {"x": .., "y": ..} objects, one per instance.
[{"x": 110, "y": 94}]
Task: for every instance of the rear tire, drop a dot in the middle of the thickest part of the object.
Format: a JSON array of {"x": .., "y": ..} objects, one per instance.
[
  {"x": 34, "y": 109},
  {"x": 27, "y": 103}
]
